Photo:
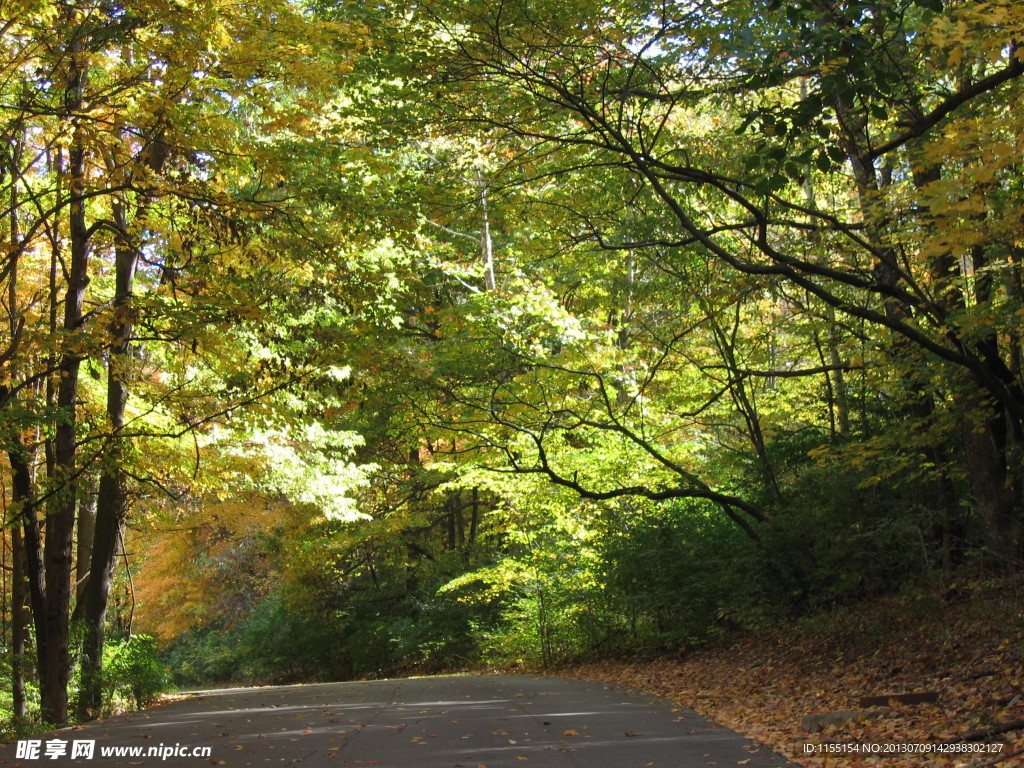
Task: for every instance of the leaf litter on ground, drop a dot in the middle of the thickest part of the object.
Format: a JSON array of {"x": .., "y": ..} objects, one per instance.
[{"x": 966, "y": 644}]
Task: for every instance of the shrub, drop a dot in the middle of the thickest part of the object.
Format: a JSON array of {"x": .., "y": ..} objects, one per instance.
[{"x": 132, "y": 672}]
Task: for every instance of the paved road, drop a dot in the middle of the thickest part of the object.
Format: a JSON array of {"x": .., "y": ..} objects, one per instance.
[{"x": 438, "y": 722}]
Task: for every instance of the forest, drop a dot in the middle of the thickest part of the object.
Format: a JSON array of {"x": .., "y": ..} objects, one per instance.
[{"x": 349, "y": 340}]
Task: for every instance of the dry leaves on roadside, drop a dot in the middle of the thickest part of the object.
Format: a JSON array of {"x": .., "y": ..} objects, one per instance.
[{"x": 970, "y": 653}]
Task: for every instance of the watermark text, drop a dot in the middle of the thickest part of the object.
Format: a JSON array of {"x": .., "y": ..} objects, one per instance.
[{"x": 85, "y": 749}]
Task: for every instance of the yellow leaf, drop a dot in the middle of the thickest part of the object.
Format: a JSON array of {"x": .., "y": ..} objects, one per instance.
[{"x": 1002, "y": 149}]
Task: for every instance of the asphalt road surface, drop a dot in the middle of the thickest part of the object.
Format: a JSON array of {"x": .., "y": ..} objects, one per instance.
[{"x": 493, "y": 721}]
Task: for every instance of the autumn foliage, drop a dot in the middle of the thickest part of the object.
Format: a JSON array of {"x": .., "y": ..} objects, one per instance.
[{"x": 346, "y": 340}]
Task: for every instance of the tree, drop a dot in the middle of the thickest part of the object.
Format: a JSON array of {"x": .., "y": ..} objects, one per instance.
[
  {"x": 796, "y": 150},
  {"x": 137, "y": 189}
]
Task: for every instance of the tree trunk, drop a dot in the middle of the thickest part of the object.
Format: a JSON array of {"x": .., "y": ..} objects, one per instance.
[
  {"x": 841, "y": 397},
  {"x": 112, "y": 508},
  {"x": 112, "y": 501},
  {"x": 985, "y": 452},
  {"x": 486, "y": 243},
  {"x": 474, "y": 521},
  {"x": 30, "y": 540},
  {"x": 60, "y": 523},
  {"x": 21, "y": 475},
  {"x": 86, "y": 532},
  {"x": 19, "y": 625},
  {"x": 21, "y": 485}
]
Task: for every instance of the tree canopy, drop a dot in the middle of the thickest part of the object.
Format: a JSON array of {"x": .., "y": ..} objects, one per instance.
[{"x": 509, "y": 330}]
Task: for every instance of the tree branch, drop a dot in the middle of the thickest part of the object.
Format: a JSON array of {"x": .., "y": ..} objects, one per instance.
[{"x": 1012, "y": 70}]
